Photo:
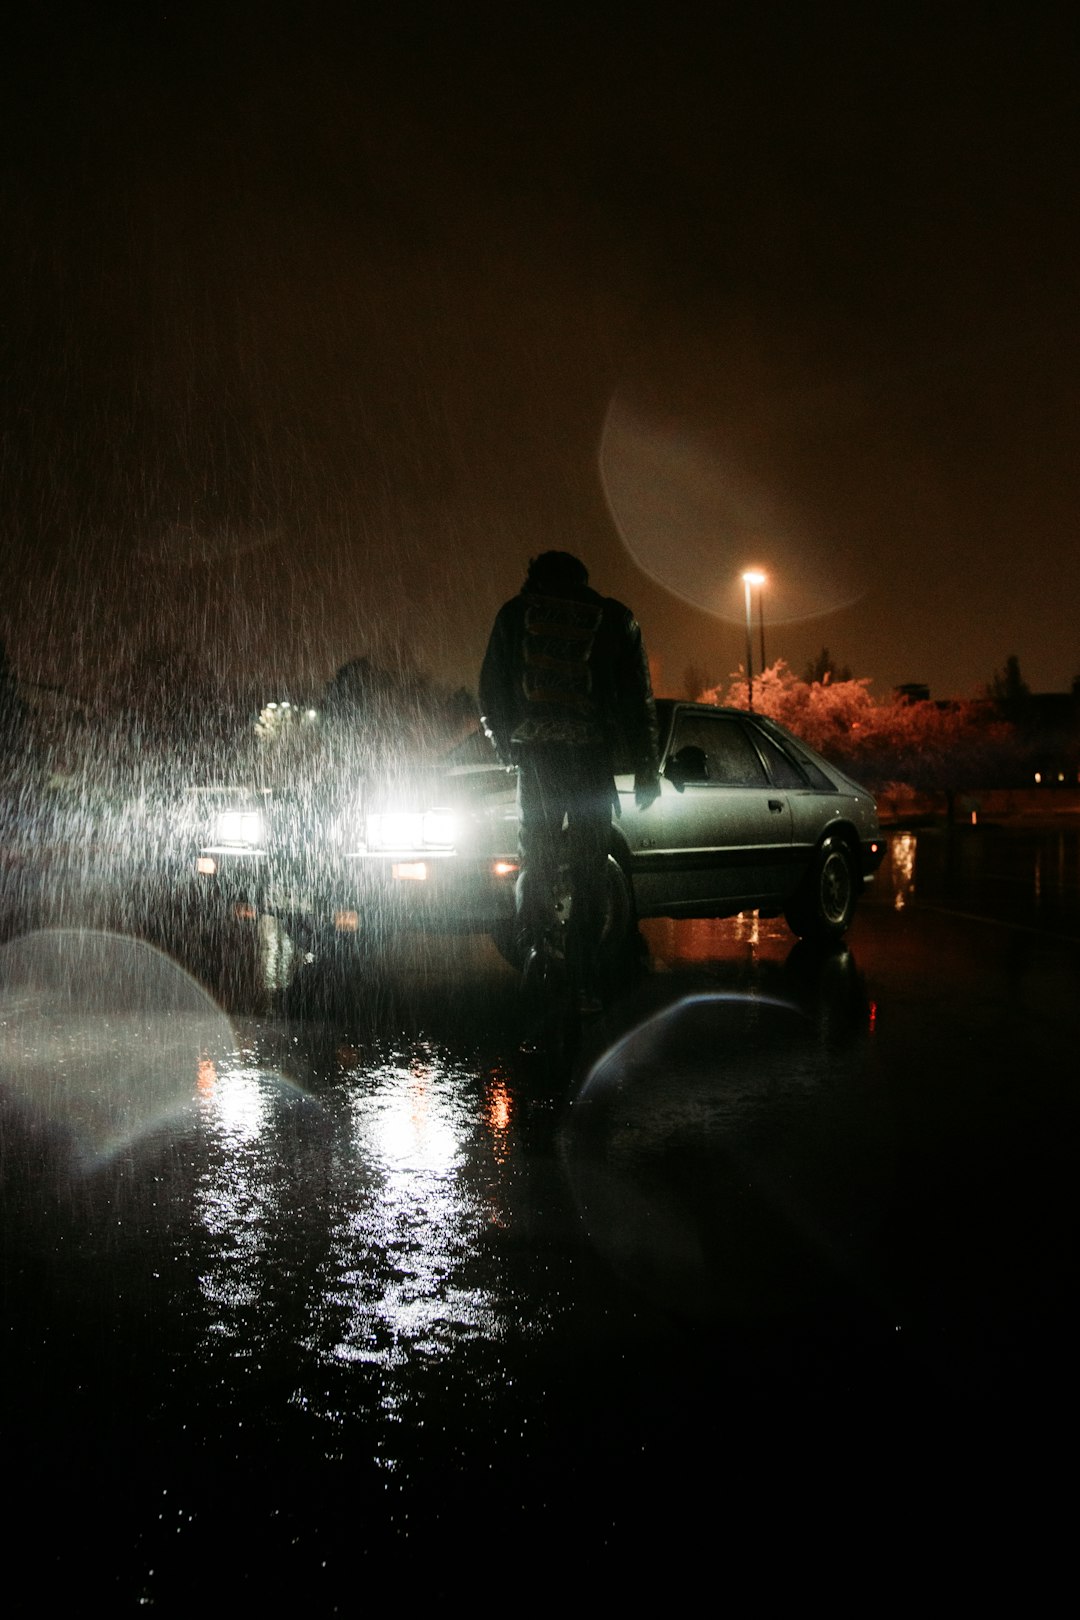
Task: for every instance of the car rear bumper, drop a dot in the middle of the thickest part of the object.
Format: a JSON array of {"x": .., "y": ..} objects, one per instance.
[{"x": 873, "y": 853}]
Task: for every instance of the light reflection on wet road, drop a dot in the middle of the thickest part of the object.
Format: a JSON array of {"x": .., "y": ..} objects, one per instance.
[{"x": 380, "y": 1286}]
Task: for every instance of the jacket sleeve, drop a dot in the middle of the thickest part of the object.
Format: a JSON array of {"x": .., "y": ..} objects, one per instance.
[
  {"x": 637, "y": 708},
  {"x": 496, "y": 686}
]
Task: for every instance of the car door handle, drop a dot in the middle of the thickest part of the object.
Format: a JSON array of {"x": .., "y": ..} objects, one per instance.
[{"x": 776, "y": 806}]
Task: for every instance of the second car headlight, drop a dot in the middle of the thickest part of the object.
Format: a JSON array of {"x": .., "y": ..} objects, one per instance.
[
  {"x": 409, "y": 829},
  {"x": 239, "y": 827}
]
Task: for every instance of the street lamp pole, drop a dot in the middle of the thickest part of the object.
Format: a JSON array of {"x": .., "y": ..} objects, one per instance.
[{"x": 750, "y": 578}]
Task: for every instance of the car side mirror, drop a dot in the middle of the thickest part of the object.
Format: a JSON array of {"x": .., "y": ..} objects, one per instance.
[{"x": 690, "y": 764}]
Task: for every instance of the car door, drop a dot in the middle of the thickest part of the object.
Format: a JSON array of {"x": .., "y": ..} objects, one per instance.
[{"x": 720, "y": 833}]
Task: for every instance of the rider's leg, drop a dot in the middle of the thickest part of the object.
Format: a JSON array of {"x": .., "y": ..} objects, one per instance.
[
  {"x": 541, "y": 810},
  {"x": 589, "y": 836}
]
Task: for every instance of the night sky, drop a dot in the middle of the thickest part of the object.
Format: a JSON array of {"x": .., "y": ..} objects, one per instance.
[{"x": 319, "y": 321}]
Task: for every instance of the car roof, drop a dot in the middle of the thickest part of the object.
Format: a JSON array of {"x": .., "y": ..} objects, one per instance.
[
  {"x": 666, "y": 707},
  {"x": 665, "y": 712},
  {"x": 477, "y": 752}
]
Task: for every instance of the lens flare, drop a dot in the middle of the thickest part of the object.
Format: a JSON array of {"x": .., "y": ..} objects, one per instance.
[
  {"x": 717, "y": 448},
  {"x": 102, "y": 1038}
]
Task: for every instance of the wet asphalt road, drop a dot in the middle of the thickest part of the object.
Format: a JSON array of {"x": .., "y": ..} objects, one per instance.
[{"x": 335, "y": 1295}]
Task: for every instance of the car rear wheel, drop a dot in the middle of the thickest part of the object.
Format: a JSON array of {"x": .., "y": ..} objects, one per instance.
[{"x": 823, "y": 907}]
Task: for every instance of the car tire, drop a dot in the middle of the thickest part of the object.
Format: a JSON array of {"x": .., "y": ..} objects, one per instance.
[
  {"x": 506, "y": 943},
  {"x": 822, "y": 909},
  {"x": 618, "y": 920}
]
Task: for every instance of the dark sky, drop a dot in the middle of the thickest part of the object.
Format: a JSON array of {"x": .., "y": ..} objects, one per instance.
[{"x": 319, "y": 321}]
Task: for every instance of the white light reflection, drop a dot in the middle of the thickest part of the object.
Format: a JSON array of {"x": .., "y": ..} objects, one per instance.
[
  {"x": 233, "y": 1196},
  {"x": 232, "y": 1104},
  {"x": 343, "y": 1232},
  {"x": 399, "y": 1257}
]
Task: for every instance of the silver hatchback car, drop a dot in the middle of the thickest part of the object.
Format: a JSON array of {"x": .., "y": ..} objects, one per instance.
[{"x": 748, "y": 818}]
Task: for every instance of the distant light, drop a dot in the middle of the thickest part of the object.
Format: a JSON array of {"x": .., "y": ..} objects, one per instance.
[
  {"x": 504, "y": 868},
  {"x": 753, "y": 576},
  {"x": 410, "y": 871},
  {"x": 1038, "y": 776},
  {"x": 346, "y": 922},
  {"x": 244, "y": 912},
  {"x": 206, "y": 865}
]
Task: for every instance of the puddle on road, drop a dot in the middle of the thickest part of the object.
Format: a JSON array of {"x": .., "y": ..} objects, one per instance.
[
  {"x": 319, "y": 1209},
  {"x": 340, "y": 1231},
  {"x": 1010, "y": 873},
  {"x": 360, "y": 1262}
]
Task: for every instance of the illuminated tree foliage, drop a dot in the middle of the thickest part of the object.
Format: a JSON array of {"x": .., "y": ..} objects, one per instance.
[{"x": 925, "y": 745}]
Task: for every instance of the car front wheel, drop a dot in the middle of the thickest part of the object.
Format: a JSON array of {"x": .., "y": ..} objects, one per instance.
[
  {"x": 823, "y": 907},
  {"x": 617, "y": 927},
  {"x": 619, "y": 922}
]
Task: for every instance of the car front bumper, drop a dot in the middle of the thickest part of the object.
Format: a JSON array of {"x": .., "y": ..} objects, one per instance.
[{"x": 367, "y": 893}]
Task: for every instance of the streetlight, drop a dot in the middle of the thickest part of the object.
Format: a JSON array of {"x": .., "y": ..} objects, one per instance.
[{"x": 751, "y": 578}]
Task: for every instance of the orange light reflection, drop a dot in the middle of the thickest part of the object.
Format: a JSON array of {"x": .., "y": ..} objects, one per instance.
[{"x": 498, "y": 1114}]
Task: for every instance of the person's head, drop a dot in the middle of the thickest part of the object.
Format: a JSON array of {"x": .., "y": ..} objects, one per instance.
[{"x": 555, "y": 571}]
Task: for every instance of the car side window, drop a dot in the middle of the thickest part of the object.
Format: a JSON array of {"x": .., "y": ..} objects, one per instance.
[
  {"x": 784, "y": 772},
  {"x": 730, "y": 756}
]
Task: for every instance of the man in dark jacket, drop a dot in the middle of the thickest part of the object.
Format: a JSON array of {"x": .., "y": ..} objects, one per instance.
[{"x": 566, "y": 697}]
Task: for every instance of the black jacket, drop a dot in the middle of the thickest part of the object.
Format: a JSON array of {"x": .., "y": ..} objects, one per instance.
[{"x": 569, "y": 668}]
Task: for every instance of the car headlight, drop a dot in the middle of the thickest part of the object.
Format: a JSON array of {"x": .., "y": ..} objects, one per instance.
[
  {"x": 395, "y": 829},
  {"x": 407, "y": 829},
  {"x": 239, "y": 827}
]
